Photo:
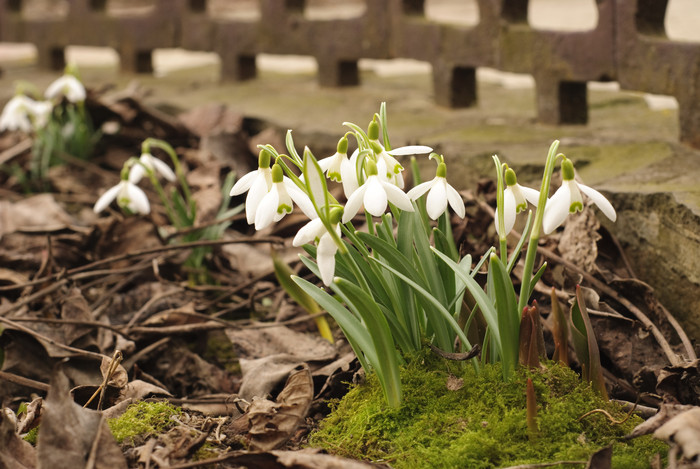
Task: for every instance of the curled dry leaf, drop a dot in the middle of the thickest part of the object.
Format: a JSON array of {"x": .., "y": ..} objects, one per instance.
[
  {"x": 683, "y": 430},
  {"x": 682, "y": 382},
  {"x": 271, "y": 424},
  {"x": 15, "y": 453}
]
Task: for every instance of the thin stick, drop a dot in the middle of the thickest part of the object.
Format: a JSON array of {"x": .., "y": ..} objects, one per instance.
[{"x": 22, "y": 381}]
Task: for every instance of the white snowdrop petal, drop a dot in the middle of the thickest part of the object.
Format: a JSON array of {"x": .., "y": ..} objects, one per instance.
[
  {"x": 244, "y": 183},
  {"x": 352, "y": 206},
  {"x": 436, "y": 202},
  {"x": 267, "y": 208},
  {"x": 136, "y": 173},
  {"x": 557, "y": 209},
  {"x": 397, "y": 197},
  {"x": 508, "y": 211},
  {"x": 531, "y": 195},
  {"x": 107, "y": 198},
  {"x": 300, "y": 198},
  {"x": 257, "y": 190},
  {"x": 410, "y": 150},
  {"x": 455, "y": 201},
  {"x": 599, "y": 199},
  {"x": 163, "y": 169},
  {"x": 420, "y": 189},
  {"x": 138, "y": 201},
  {"x": 309, "y": 232},
  {"x": 375, "y": 199},
  {"x": 325, "y": 258}
]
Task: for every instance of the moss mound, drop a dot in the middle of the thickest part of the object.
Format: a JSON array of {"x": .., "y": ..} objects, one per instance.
[
  {"x": 143, "y": 419},
  {"x": 479, "y": 421}
]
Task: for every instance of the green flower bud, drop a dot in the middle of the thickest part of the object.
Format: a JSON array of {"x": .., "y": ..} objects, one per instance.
[
  {"x": 342, "y": 145},
  {"x": 377, "y": 148},
  {"x": 373, "y": 130},
  {"x": 277, "y": 173},
  {"x": 567, "y": 170},
  {"x": 335, "y": 215},
  {"x": 441, "y": 170},
  {"x": 511, "y": 179},
  {"x": 264, "y": 159},
  {"x": 370, "y": 167}
]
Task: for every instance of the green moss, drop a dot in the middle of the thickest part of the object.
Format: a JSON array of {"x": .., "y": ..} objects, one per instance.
[
  {"x": 142, "y": 419},
  {"x": 480, "y": 425},
  {"x": 31, "y": 436}
]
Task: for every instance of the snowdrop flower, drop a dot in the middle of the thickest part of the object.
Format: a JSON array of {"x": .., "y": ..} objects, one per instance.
[
  {"x": 333, "y": 164},
  {"x": 515, "y": 199},
  {"x": 567, "y": 199},
  {"x": 16, "y": 114},
  {"x": 315, "y": 230},
  {"x": 374, "y": 194},
  {"x": 147, "y": 161},
  {"x": 41, "y": 110},
  {"x": 257, "y": 183},
  {"x": 388, "y": 167},
  {"x": 280, "y": 199},
  {"x": 67, "y": 85},
  {"x": 128, "y": 196},
  {"x": 439, "y": 193}
]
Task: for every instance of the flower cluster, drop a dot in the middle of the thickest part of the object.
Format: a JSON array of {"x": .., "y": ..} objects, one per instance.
[
  {"x": 401, "y": 281},
  {"x": 26, "y": 114}
]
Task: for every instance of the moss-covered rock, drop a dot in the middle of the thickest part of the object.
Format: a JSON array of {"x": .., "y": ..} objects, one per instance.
[{"x": 480, "y": 421}]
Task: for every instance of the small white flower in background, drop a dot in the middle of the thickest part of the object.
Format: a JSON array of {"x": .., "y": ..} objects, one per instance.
[
  {"x": 128, "y": 195},
  {"x": 315, "y": 230},
  {"x": 567, "y": 199},
  {"x": 41, "y": 110},
  {"x": 439, "y": 193},
  {"x": 374, "y": 194},
  {"x": 146, "y": 160},
  {"x": 17, "y": 114},
  {"x": 68, "y": 86},
  {"x": 515, "y": 199},
  {"x": 257, "y": 183},
  {"x": 280, "y": 200}
]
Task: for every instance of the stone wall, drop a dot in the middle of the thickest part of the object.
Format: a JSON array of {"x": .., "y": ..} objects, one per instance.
[{"x": 628, "y": 45}]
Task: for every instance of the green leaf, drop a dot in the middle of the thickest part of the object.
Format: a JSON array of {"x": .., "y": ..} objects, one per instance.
[
  {"x": 585, "y": 341},
  {"x": 508, "y": 315},
  {"x": 387, "y": 365},
  {"x": 352, "y": 327}
]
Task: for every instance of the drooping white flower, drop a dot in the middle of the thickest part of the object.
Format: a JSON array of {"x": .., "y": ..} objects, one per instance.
[
  {"x": 439, "y": 194},
  {"x": 146, "y": 160},
  {"x": 257, "y": 183},
  {"x": 515, "y": 199},
  {"x": 41, "y": 110},
  {"x": 332, "y": 165},
  {"x": 128, "y": 195},
  {"x": 280, "y": 200},
  {"x": 374, "y": 194},
  {"x": 17, "y": 114},
  {"x": 567, "y": 199},
  {"x": 68, "y": 86},
  {"x": 315, "y": 230},
  {"x": 389, "y": 168}
]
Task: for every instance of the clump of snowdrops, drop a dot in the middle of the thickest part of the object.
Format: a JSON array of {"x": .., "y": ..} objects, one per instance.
[
  {"x": 57, "y": 121},
  {"x": 400, "y": 282},
  {"x": 180, "y": 207}
]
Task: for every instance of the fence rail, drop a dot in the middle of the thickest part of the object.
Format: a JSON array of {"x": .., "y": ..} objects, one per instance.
[{"x": 628, "y": 45}]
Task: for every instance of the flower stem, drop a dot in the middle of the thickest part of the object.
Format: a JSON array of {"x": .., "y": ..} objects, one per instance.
[{"x": 537, "y": 226}]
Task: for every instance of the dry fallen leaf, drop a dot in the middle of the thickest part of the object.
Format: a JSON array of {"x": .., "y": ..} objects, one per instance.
[
  {"x": 271, "y": 424},
  {"x": 70, "y": 436},
  {"x": 15, "y": 453},
  {"x": 683, "y": 430}
]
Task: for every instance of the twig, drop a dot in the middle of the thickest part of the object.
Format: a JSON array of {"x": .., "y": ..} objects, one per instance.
[
  {"x": 600, "y": 286},
  {"x": 148, "y": 304},
  {"x": 22, "y": 381},
  {"x": 49, "y": 340},
  {"x": 18, "y": 149},
  {"x": 535, "y": 466},
  {"x": 192, "y": 229}
]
